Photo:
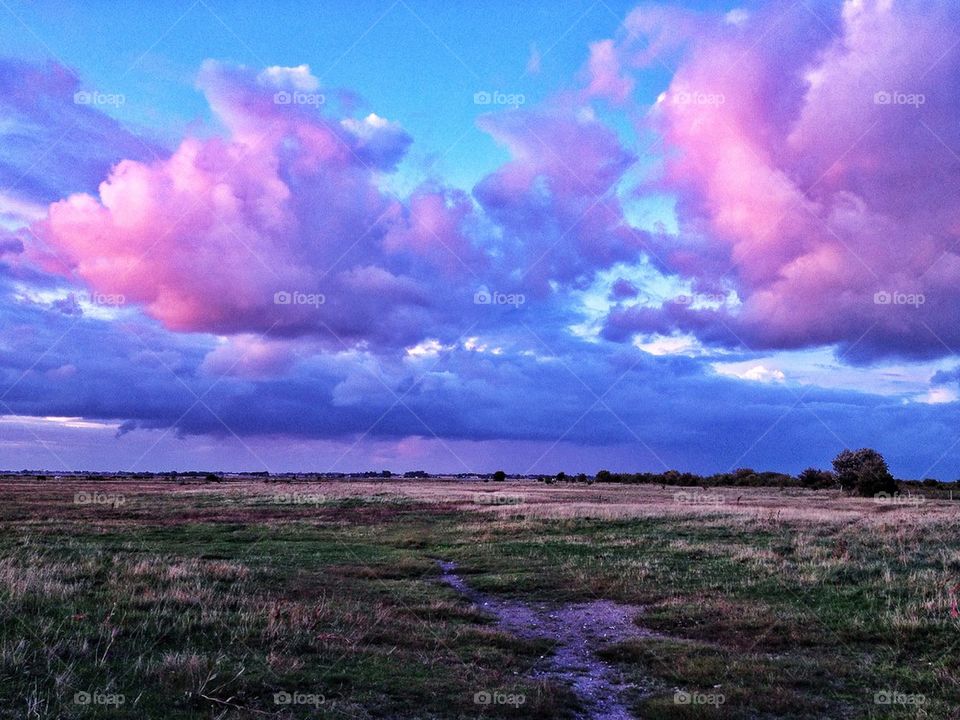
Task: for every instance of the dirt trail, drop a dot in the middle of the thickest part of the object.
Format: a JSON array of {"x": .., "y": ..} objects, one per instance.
[{"x": 579, "y": 630}]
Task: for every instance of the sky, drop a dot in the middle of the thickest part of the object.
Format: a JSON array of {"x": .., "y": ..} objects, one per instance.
[{"x": 460, "y": 237}]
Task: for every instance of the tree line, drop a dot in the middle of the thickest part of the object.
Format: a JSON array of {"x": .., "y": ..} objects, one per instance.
[{"x": 861, "y": 472}]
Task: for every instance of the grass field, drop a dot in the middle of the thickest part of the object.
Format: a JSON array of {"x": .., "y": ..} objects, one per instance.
[{"x": 149, "y": 599}]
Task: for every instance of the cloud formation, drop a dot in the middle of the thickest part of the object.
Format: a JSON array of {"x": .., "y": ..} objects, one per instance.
[
  {"x": 226, "y": 235},
  {"x": 283, "y": 228},
  {"x": 809, "y": 165},
  {"x": 267, "y": 283},
  {"x": 55, "y": 140}
]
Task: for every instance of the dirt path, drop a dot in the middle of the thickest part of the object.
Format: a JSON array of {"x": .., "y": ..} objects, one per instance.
[{"x": 579, "y": 630}]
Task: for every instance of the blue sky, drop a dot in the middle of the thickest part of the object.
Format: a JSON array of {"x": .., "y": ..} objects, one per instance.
[
  {"x": 694, "y": 221},
  {"x": 417, "y": 62}
]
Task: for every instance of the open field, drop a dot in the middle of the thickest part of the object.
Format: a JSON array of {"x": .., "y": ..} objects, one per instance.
[{"x": 328, "y": 599}]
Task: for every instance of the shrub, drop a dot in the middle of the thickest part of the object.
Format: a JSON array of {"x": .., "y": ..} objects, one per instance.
[{"x": 499, "y": 476}]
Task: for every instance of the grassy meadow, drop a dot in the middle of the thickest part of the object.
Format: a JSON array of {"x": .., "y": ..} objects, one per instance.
[{"x": 148, "y": 599}]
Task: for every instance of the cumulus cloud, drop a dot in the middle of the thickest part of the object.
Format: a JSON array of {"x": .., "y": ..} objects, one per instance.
[
  {"x": 379, "y": 142},
  {"x": 277, "y": 227},
  {"x": 555, "y": 203},
  {"x": 432, "y": 228},
  {"x": 809, "y": 170},
  {"x": 282, "y": 226},
  {"x": 290, "y": 78}
]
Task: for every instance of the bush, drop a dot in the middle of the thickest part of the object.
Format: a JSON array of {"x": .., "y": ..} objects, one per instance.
[
  {"x": 864, "y": 472},
  {"x": 499, "y": 476}
]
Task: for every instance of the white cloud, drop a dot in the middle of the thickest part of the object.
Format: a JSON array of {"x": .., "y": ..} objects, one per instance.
[
  {"x": 938, "y": 395},
  {"x": 669, "y": 345},
  {"x": 369, "y": 126},
  {"x": 427, "y": 348},
  {"x": 294, "y": 78},
  {"x": 750, "y": 371},
  {"x": 51, "y": 421},
  {"x": 737, "y": 16}
]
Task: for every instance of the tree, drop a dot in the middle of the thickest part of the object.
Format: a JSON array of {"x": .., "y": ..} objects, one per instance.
[
  {"x": 561, "y": 476},
  {"x": 604, "y": 476},
  {"x": 499, "y": 476},
  {"x": 864, "y": 472},
  {"x": 815, "y": 478}
]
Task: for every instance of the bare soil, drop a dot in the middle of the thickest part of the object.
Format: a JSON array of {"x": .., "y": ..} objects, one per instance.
[{"x": 578, "y": 631}]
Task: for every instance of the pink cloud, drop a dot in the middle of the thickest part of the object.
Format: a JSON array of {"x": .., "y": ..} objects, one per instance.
[
  {"x": 606, "y": 79},
  {"x": 810, "y": 173},
  {"x": 282, "y": 226},
  {"x": 250, "y": 356},
  {"x": 555, "y": 201},
  {"x": 433, "y": 230},
  {"x": 205, "y": 239}
]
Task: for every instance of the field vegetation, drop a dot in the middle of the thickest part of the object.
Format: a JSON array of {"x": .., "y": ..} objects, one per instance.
[{"x": 153, "y": 599}]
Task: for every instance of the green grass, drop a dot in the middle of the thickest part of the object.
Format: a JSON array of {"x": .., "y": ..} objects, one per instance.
[{"x": 195, "y": 605}]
